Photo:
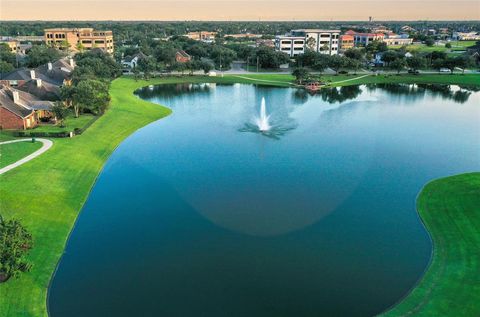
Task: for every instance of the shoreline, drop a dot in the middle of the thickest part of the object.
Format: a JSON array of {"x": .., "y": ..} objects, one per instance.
[{"x": 121, "y": 104}]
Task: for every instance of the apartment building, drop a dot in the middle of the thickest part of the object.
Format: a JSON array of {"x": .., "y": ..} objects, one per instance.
[
  {"x": 318, "y": 40},
  {"x": 79, "y": 39},
  {"x": 291, "y": 45}
]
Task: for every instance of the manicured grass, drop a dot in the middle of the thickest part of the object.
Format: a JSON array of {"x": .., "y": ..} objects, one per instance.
[
  {"x": 450, "y": 210},
  {"x": 71, "y": 123},
  {"x": 12, "y": 152},
  {"x": 47, "y": 193},
  {"x": 456, "y": 46}
]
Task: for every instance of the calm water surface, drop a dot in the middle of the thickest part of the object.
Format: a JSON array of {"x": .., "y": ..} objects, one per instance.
[{"x": 198, "y": 214}]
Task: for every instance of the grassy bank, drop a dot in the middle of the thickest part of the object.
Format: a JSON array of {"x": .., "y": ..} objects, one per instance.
[
  {"x": 12, "y": 152},
  {"x": 450, "y": 209},
  {"x": 47, "y": 193}
]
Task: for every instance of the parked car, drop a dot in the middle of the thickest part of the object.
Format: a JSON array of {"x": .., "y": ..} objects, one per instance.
[
  {"x": 413, "y": 71},
  {"x": 444, "y": 70}
]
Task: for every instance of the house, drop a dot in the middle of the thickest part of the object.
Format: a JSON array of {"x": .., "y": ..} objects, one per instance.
[
  {"x": 58, "y": 73},
  {"x": 131, "y": 62},
  {"x": 182, "y": 57},
  {"x": 76, "y": 39},
  {"x": 21, "y": 110},
  {"x": 466, "y": 36},
  {"x": 15, "y": 78}
]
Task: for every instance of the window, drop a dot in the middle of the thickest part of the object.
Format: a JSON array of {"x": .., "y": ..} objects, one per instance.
[
  {"x": 86, "y": 42},
  {"x": 298, "y": 42},
  {"x": 298, "y": 48},
  {"x": 286, "y": 42},
  {"x": 99, "y": 42},
  {"x": 285, "y": 48},
  {"x": 324, "y": 35}
]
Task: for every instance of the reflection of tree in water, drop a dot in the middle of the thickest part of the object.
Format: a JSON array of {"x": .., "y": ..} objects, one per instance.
[
  {"x": 173, "y": 90},
  {"x": 330, "y": 95},
  {"x": 415, "y": 91}
]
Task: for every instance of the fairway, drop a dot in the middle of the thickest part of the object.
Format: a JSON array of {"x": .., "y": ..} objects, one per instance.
[{"x": 450, "y": 210}]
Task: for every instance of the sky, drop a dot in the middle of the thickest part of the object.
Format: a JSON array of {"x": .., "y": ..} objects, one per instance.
[{"x": 240, "y": 10}]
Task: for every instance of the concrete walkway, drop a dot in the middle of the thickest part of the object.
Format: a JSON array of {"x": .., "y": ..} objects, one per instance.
[
  {"x": 350, "y": 79},
  {"x": 46, "y": 145}
]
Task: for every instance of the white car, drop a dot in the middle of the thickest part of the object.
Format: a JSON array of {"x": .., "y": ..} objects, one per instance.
[{"x": 444, "y": 70}]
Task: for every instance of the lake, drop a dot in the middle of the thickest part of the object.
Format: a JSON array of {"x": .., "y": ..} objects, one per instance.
[{"x": 200, "y": 214}]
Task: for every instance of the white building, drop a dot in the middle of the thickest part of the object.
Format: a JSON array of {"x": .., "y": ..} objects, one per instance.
[
  {"x": 318, "y": 40},
  {"x": 292, "y": 45},
  {"x": 461, "y": 36}
]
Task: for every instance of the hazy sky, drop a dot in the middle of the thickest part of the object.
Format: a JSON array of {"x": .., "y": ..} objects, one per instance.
[{"x": 239, "y": 10}]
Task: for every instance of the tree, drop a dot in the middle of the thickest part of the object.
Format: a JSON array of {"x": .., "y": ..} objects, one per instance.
[
  {"x": 91, "y": 95},
  {"x": 399, "y": 64},
  {"x": 41, "y": 54},
  {"x": 269, "y": 58},
  {"x": 222, "y": 57},
  {"x": 6, "y": 55},
  {"x": 301, "y": 74},
  {"x": 389, "y": 56},
  {"x": 448, "y": 45},
  {"x": 206, "y": 67},
  {"x": 354, "y": 64},
  {"x": 430, "y": 42},
  {"x": 464, "y": 62},
  {"x": 337, "y": 62},
  {"x": 60, "y": 111},
  {"x": 95, "y": 65},
  {"x": 355, "y": 53},
  {"x": 451, "y": 63},
  {"x": 147, "y": 65},
  {"x": 311, "y": 44},
  {"x": 66, "y": 95},
  {"x": 416, "y": 62},
  {"x": 15, "y": 242},
  {"x": 5, "y": 67}
]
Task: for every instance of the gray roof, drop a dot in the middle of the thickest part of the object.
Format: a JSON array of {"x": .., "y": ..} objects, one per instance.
[
  {"x": 61, "y": 71},
  {"x": 6, "y": 101},
  {"x": 17, "y": 74}
]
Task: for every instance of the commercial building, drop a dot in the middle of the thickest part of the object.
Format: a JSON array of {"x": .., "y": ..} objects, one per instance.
[
  {"x": 204, "y": 36},
  {"x": 346, "y": 42},
  {"x": 395, "y": 39},
  {"x": 79, "y": 39},
  {"x": 318, "y": 40},
  {"x": 363, "y": 39},
  {"x": 291, "y": 45},
  {"x": 463, "y": 36}
]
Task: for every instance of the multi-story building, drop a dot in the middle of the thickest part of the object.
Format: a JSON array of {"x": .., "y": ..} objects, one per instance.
[
  {"x": 395, "y": 39},
  {"x": 79, "y": 39},
  {"x": 204, "y": 36},
  {"x": 346, "y": 42},
  {"x": 463, "y": 36},
  {"x": 318, "y": 40},
  {"x": 291, "y": 45},
  {"x": 363, "y": 39}
]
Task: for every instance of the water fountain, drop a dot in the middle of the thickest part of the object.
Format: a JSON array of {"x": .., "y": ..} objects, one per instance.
[{"x": 263, "y": 120}]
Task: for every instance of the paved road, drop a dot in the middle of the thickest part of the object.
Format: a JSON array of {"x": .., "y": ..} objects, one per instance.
[{"x": 46, "y": 145}]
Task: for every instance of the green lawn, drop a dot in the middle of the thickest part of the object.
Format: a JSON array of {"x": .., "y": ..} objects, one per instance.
[
  {"x": 450, "y": 210},
  {"x": 70, "y": 124},
  {"x": 47, "y": 193},
  {"x": 12, "y": 152},
  {"x": 456, "y": 46}
]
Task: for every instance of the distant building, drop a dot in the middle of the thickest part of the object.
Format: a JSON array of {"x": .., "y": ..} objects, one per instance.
[
  {"x": 76, "y": 39},
  {"x": 463, "y": 36},
  {"x": 13, "y": 45},
  {"x": 407, "y": 28},
  {"x": 204, "y": 36},
  {"x": 182, "y": 57},
  {"x": 363, "y": 39},
  {"x": 265, "y": 42},
  {"x": 346, "y": 42},
  {"x": 318, "y": 40},
  {"x": 244, "y": 35},
  {"x": 132, "y": 61},
  {"x": 395, "y": 39},
  {"x": 291, "y": 45}
]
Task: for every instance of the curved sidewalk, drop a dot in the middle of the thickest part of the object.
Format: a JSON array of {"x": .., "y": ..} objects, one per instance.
[{"x": 46, "y": 145}]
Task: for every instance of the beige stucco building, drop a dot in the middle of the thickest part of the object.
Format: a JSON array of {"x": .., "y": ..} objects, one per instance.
[{"x": 80, "y": 39}]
